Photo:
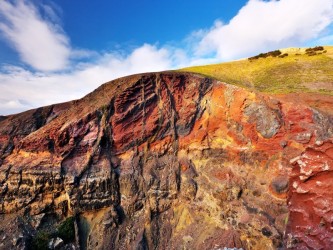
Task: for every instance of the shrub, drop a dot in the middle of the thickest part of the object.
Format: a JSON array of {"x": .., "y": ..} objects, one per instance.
[
  {"x": 317, "y": 48},
  {"x": 283, "y": 55},
  {"x": 313, "y": 51},
  {"x": 41, "y": 240},
  {"x": 274, "y": 53},
  {"x": 66, "y": 230}
]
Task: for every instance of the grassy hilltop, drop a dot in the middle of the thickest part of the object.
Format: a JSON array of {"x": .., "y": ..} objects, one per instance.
[{"x": 292, "y": 70}]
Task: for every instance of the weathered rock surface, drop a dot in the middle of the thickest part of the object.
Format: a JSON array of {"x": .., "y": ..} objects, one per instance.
[{"x": 169, "y": 161}]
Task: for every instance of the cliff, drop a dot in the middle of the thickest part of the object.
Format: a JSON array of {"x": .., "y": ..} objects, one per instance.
[{"x": 168, "y": 161}]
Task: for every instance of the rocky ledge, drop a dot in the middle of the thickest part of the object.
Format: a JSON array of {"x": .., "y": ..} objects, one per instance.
[{"x": 167, "y": 161}]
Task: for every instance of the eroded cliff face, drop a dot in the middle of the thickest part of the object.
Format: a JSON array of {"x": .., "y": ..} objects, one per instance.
[{"x": 169, "y": 161}]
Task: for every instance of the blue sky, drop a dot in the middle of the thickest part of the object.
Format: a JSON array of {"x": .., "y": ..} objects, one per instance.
[
  {"x": 58, "y": 50},
  {"x": 111, "y": 23}
]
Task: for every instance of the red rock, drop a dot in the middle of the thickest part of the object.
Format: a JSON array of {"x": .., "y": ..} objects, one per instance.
[
  {"x": 310, "y": 199},
  {"x": 170, "y": 160}
]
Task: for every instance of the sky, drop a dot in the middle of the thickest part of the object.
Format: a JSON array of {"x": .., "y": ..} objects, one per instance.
[{"x": 54, "y": 51}]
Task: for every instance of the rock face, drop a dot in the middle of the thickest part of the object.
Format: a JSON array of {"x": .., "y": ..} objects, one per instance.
[{"x": 168, "y": 161}]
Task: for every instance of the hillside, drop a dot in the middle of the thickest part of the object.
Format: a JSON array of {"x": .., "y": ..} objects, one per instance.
[
  {"x": 303, "y": 75},
  {"x": 167, "y": 161},
  {"x": 297, "y": 72}
]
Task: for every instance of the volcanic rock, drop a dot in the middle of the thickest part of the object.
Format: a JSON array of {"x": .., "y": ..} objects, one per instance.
[{"x": 169, "y": 161}]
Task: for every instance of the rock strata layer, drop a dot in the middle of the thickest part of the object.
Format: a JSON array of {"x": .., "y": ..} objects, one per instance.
[{"x": 168, "y": 161}]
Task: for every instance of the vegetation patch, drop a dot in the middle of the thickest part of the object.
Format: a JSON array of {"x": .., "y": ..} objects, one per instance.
[
  {"x": 41, "y": 240},
  {"x": 314, "y": 51},
  {"x": 283, "y": 55},
  {"x": 66, "y": 230},
  {"x": 274, "y": 53}
]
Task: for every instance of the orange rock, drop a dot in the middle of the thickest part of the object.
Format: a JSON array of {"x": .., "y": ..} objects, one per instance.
[{"x": 148, "y": 155}]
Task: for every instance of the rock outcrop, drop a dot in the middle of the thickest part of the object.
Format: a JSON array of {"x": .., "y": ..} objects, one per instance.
[{"x": 168, "y": 161}]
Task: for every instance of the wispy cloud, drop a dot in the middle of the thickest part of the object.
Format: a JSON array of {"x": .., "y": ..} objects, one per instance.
[
  {"x": 40, "y": 43},
  {"x": 263, "y": 25},
  {"x": 22, "y": 89},
  {"x": 59, "y": 74}
]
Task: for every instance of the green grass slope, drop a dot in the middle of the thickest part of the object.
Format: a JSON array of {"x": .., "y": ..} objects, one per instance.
[{"x": 293, "y": 70}]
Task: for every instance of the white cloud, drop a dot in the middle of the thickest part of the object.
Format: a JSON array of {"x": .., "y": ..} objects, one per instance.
[
  {"x": 143, "y": 59},
  {"x": 22, "y": 89},
  {"x": 40, "y": 44},
  {"x": 13, "y": 105},
  {"x": 264, "y": 25}
]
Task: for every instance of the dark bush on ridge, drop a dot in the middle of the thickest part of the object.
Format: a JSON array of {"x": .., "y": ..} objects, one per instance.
[
  {"x": 274, "y": 53},
  {"x": 283, "y": 55},
  {"x": 314, "y": 51},
  {"x": 317, "y": 48}
]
